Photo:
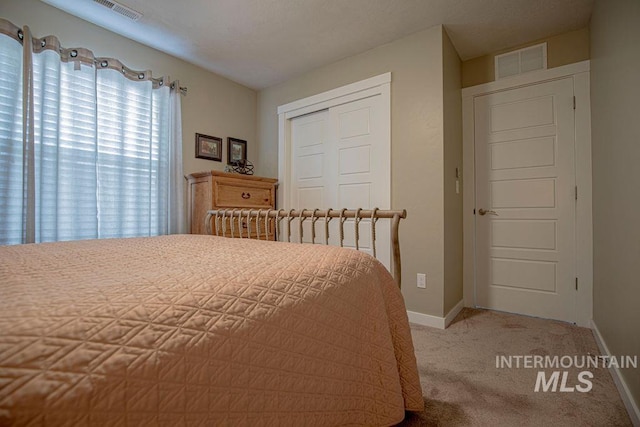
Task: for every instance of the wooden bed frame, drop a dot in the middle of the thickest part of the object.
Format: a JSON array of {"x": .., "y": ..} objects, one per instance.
[{"x": 227, "y": 221}]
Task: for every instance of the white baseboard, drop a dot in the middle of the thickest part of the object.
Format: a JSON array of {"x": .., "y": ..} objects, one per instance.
[
  {"x": 426, "y": 320},
  {"x": 435, "y": 321},
  {"x": 621, "y": 385},
  {"x": 453, "y": 313}
]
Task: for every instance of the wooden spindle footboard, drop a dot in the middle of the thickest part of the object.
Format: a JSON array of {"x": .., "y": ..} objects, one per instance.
[{"x": 268, "y": 223}]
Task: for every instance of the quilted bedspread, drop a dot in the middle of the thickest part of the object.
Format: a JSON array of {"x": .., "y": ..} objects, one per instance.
[{"x": 201, "y": 330}]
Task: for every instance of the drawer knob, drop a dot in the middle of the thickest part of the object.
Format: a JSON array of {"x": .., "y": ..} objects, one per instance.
[{"x": 246, "y": 195}]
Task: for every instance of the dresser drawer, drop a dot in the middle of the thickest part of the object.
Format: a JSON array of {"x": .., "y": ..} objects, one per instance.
[
  {"x": 231, "y": 195},
  {"x": 221, "y": 190}
]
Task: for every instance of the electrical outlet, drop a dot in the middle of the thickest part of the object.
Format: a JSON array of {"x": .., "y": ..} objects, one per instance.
[{"x": 422, "y": 280}]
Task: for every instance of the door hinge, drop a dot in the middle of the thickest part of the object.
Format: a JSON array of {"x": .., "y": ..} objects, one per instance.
[
  {"x": 576, "y": 192},
  {"x": 576, "y": 283},
  {"x": 574, "y": 102}
]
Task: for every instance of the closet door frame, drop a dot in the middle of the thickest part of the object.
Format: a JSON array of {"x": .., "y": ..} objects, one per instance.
[{"x": 378, "y": 85}]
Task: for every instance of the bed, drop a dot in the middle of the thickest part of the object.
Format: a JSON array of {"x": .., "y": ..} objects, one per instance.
[{"x": 201, "y": 330}]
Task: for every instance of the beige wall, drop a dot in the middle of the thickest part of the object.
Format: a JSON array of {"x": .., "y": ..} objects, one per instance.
[
  {"x": 615, "y": 93},
  {"x": 452, "y": 160},
  {"x": 214, "y": 106},
  {"x": 563, "y": 49},
  {"x": 417, "y": 146}
]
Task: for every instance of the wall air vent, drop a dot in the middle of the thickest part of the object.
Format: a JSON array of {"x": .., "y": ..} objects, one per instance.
[
  {"x": 521, "y": 61},
  {"x": 120, "y": 9}
]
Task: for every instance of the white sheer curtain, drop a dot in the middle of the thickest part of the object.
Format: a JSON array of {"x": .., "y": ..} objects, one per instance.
[
  {"x": 11, "y": 169},
  {"x": 86, "y": 151},
  {"x": 176, "y": 220}
]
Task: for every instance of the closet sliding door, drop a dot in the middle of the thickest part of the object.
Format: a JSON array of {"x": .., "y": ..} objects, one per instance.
[{"x": 340, "y": 158}]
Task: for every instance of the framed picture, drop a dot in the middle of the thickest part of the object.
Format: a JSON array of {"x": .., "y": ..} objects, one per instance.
[
  {"x": 236, "y": 151},
  {"x": 208, "y": 147}
]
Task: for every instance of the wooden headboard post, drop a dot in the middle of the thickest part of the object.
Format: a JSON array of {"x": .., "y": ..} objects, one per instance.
[{"x": 395, "y": 244}]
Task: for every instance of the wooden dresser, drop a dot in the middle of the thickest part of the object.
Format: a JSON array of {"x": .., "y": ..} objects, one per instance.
[{"x": 213, "y": 189}]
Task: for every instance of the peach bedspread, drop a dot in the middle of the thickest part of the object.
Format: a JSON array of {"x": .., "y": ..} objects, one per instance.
[{"x": 201, "y": 330}]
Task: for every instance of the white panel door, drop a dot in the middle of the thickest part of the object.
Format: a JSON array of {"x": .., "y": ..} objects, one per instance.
[
  {"x": 525, "y": 201},
  {"x": 361, "y": 170},
  {"x": 309, "y": 142},
  {"x": 309, "y": 169},
  {"x": 341, "y": 159}
]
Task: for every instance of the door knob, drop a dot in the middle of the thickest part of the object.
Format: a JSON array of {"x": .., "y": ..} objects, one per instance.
[{"x": 483, "y": 212}]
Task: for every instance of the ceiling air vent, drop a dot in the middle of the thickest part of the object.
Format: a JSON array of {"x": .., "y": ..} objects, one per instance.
[
  {"x": 121, "y": 9},
  {"x": 521, "y": 61}
]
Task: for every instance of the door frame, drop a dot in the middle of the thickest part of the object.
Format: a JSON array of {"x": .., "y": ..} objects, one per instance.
[
  {"x": 378, "y": 85},
  {"x": 579, "y": 72}
]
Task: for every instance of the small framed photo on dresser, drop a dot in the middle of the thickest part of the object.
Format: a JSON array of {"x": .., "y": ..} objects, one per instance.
[
  {"x": 236, "y": 151},
  {"x": 208, "y": 147}
]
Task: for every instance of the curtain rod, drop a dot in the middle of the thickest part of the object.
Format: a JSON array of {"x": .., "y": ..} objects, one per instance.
[
  {"x": 183, "y": 89},
  {"x": 81, "y": 55}
]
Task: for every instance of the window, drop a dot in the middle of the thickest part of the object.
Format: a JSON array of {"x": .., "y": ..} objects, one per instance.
[{"x": 100, "y": 160}]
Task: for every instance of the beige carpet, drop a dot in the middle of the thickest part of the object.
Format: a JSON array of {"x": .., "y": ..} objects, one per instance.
[{"x": 462, "y": 386}]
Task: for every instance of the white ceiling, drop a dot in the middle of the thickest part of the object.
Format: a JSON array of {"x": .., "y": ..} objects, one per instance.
[{"x": 259, "y": 43}]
